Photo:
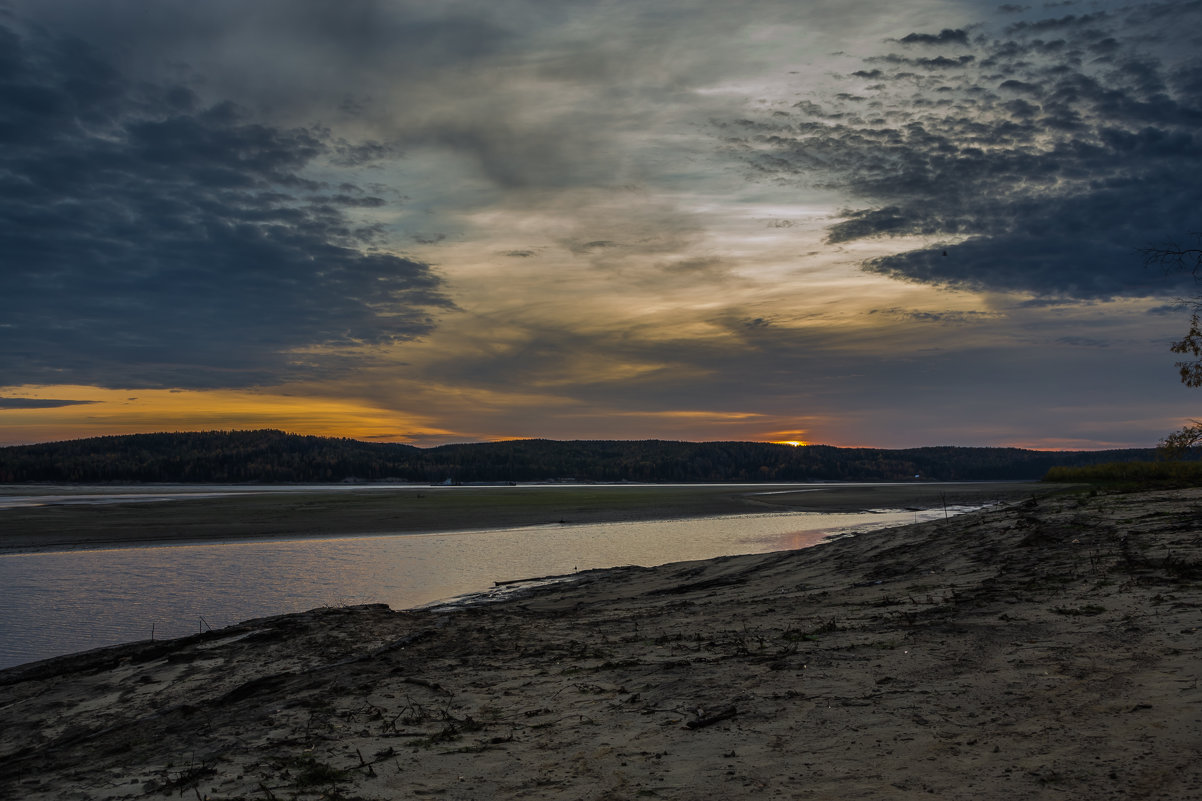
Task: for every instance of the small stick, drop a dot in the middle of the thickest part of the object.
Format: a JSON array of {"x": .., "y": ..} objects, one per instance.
[{"x": 710, "y": 720}]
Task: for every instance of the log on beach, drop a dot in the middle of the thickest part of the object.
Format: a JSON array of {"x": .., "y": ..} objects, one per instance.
[{"x": 1047, "y": 648}]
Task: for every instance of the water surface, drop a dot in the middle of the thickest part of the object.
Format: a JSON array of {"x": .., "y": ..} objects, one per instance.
[{"x": 62, "y": 602}]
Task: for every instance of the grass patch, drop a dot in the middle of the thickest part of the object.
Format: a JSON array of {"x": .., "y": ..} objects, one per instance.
[{"x": 1131, "y": 475}]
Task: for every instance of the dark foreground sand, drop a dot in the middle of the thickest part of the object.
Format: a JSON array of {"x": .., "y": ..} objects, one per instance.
[{"x": 1047, "y": 650}]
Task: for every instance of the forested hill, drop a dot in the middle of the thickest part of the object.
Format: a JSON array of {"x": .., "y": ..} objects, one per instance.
[{"x": 274, "y": 456}]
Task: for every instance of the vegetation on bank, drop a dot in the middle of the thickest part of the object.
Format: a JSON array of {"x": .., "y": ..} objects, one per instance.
[
  {"x": 1133, "y": 475},
  {"x": 274, "y": 456}
]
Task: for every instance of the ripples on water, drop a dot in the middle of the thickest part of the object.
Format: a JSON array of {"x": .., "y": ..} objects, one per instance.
[{"x": 57, "y": 603}]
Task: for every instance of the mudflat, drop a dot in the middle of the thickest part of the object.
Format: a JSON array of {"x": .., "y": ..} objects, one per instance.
[
  {"x": 1048, "y": 649},
  {"x": 404, "y": 510}
]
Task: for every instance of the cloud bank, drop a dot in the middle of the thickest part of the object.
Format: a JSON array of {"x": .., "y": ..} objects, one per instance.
[
  {"x": 1035, "y": 156},
  {"x": 40, "y": 403},
  {"x": 151, "y": 240}
]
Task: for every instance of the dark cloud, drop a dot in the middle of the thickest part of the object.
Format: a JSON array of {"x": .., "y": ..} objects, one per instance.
[
  {"x": 1168, "y": 309},
  {"x": 580, "y": 248},
  {"x": 701, "y": 266},
  {"x": 405, "y": 76},
  {"x": 954, "y": 317},
  {"x": 149, "y": 239},
  {"x": 358, "y": 154},
  {"x": 947, "y": 36},
  {"x": 40, "y": 403},
  {"x": 319, "y": 42},
  {"x": 1070, "y": 21},
  {"x": 1022, "y": 87},
  {"x": 1027, "y": 169},
  {"x": 527, "y": 93},
  {"x": 938, "y": 62}
]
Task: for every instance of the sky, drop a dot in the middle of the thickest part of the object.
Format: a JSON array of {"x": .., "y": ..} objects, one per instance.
[{"x": 832, "y": 221}]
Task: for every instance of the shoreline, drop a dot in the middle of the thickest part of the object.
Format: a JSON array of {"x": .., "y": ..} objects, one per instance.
[
  {"x": 175, "y": 541},
  {"x": 1052, "y": 646},
  {"x": 418, "y": 510}
]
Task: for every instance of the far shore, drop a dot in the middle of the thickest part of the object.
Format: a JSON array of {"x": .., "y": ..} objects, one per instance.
[{"x": 420, "y": 510}]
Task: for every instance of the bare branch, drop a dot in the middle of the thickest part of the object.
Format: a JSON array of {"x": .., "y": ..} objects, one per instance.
[{"x": 1172, "y": 257}]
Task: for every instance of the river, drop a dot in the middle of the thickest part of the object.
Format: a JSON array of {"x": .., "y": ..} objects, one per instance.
[{"x": 62, "y": 602}]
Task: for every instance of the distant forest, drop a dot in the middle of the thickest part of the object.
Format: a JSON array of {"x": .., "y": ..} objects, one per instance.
[{"x": 269, "y": 456}]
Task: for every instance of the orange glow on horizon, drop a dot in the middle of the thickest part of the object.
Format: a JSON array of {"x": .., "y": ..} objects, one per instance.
[
  {"x": 75, "y": 412},
  {"x": 98, "y": 412},
  {"x": 794, "y": 437}
]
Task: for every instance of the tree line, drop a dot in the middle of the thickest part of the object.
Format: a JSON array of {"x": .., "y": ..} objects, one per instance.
[{"x": 271, "y": 456}]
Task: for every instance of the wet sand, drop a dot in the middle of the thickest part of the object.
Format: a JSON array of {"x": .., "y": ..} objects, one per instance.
[
  {"x": 1046, "y": 650},
  {"x": 406, "y": 510}
]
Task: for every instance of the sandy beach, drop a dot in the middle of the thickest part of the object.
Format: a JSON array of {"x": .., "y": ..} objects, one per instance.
[{"x": 1049, "y": 649}]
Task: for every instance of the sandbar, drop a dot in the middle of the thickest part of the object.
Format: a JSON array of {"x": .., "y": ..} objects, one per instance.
[{"x": 412, "y": 510}]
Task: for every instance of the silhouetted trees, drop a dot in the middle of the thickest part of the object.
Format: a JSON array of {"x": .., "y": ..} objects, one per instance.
[
  {"x": 1173, "y": 257},
  {"x": 276, "y": 457}
]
